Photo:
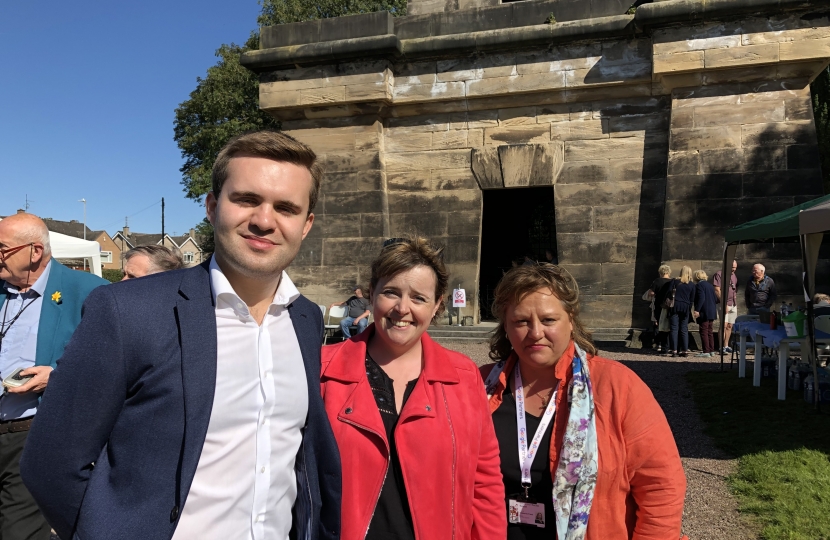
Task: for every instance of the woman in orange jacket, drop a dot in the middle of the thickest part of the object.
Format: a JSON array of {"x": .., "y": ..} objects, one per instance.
[
  {"x": 586, "y": 452},
  {"x": 419, "y": 456}
]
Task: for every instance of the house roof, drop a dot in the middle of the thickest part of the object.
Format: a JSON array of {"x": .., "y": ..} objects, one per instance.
[
  {"x": 142, "y": 239},
  {"x": 69, "y": 228}
]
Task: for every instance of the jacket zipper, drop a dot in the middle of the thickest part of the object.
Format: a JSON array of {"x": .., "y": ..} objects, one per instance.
[
  {"x": 454, "y": 457},
  {"x": 385, "y": 472}
]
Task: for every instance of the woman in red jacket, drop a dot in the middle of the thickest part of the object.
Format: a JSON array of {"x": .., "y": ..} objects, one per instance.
[
  {"x": 419, "y": 456},
  {"x": 586, "y": 452}
]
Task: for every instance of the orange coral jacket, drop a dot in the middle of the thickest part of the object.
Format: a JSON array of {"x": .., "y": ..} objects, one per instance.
[{"x": 641, "y": 485}]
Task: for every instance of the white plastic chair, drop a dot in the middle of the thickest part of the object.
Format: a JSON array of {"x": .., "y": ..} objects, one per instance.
[{"x": 337, "y": 312}]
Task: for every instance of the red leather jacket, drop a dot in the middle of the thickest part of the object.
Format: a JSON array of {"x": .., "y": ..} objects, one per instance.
[{"x": 446, "y": 443}]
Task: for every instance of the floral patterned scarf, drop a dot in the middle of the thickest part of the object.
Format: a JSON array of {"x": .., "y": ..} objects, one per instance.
[{"x": 576, "y": 473}]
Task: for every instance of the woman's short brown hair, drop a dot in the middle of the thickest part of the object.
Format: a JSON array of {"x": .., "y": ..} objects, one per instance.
[
  {"x": 402, "y": 254},
  {"x": 517, "y": 283},
  {"x": 272, "y": 145}
]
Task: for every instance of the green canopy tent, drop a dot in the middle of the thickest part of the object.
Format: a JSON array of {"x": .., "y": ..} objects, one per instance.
[{"x": 805, "y": 223}]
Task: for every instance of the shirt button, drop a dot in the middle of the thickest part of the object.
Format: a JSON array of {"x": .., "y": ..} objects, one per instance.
[
  {"x": 174, "y": 514},
  {"x": 262, "y": 470},
  {"x": 260, "y": 518},
  {"x": 348, "y": 410},
  {"x": 267, "y": 374}
]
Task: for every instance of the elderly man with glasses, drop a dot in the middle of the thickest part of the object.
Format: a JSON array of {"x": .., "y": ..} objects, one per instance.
[{"x": 40, "y": 306}]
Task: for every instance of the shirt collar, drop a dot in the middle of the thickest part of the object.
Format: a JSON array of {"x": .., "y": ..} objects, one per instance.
[
  {"x": 39, "y": 286},
  {"x": 222, "y": 289}
]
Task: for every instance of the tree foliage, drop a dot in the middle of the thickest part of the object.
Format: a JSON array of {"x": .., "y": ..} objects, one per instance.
[
  {"x": 820, "y": 90},
  {"x": 289, "y": 11},
  {"x": 204, "y": 235},
  {"x": 224, "y": 104}
]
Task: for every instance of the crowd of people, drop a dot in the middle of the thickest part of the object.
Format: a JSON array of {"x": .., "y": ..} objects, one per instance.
[
  {"x": 199, "y": 403},
  {"x": 675, "y": 302}
]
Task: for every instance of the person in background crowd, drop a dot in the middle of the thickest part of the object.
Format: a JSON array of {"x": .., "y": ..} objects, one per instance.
[
  {"x": 657, "y": 292},
  {"x": 821, "y": 304},
  {"x": 196, "y": 394},
  {"x": 679, "y": 315},
  {"x": 731, "y": 302},
  {"x": 550, "y": 258},
  {"x": 40, "y": 306},
  {"x": 420, "y": 459},
  {"x": 760, "y": 291},
  {"x": 706, "y": 312},
  {"x": 145, "y": 260},
  {"x": 528, "y": 260},
  {"x": 595, "y": 456},
  {"x": 357, "y": 314}
]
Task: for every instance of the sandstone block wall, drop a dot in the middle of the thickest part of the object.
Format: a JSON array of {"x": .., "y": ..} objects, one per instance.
[{"x": 655, "y": 136}]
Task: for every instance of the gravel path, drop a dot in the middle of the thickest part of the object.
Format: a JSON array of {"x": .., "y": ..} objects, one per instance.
[{"x": 711, "y": 511}]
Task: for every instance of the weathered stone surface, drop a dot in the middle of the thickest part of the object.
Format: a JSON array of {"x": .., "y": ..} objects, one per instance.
[
  {"x": 517, "y": 134},
  {"x": 350, "y": 203},
  {"x": 745, "y": 55},
  {"x": 408, "y": 181},
  {"x": 765, "y": 158},
  {"x": 684, "y": 163},
  {"x": 439, "y": 159},
  {"x": 572, "y": 219},
  {"x": 486, "y": 167},
  {"x": 778, "y": 133},
  {"x": 617, "y": 278},
  {"x": 371, "y": 225},
  {"x": 464, "y": 223},
  {"x": 597, "y": 247},
  {"x": 350, "y": 251},
  {"x": 718, "y": 115},
  {"x": 585, "y": 172},
  {"x": 800, "y": 157},
  {"x": 606, "y": 193},
  {"x": 703, "y": 186},
  {"x": 722, "y": 160},
  {"x": 453, "y": 179},
  {"x": 429, "y": 225},
  {"x": 587, "y": 276},
  {"x": 608, "y": 149},
  {"x": 341, "y": 226},
  {"x": 704, "y": 138},
  {"x": 460, "y": 200},
  {"x": 680, "y": 61}
]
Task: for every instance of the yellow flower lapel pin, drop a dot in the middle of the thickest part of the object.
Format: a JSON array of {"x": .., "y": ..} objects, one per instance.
[{"x": 56, "y": 297}]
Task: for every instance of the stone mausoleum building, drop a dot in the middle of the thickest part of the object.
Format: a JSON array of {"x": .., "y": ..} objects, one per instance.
[{"x": 615, "y": 137}]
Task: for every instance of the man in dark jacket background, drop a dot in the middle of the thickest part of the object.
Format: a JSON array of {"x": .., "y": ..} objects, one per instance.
[
  {"x": 187, "y": 404},
  {"x": 760, "y": 291}
]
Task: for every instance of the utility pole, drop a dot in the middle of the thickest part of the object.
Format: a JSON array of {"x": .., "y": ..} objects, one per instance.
[
  {"x": 162, "y": 221},
  {"x": 84, "y": 201},
  {"x": 27, "y": 205}
]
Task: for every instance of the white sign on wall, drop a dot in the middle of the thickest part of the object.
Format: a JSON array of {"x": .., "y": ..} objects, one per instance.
[{"x": 459, "y": 298}]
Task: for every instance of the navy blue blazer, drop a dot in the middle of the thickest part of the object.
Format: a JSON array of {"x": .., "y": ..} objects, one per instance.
[
  {"x": 705, "y": 301},
  {"x": 133, "y": 394}
]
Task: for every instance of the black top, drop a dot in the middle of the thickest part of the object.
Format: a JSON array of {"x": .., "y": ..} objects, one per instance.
[
  {"x": 541, "y": 490},
  {"x": 392, "y": 519},
  {"x": 357, "y": 306},
  {"x": 660, "y": 287}
]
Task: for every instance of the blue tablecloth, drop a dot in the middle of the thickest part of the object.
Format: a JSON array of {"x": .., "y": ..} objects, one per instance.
[
  {"x": 772, "y": 338},
  {"x": 748, "y": 328}
]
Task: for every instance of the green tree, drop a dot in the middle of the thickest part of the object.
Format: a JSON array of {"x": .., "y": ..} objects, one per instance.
[
  {"x": 289, "y": 11},
  {"x": 204, "y": 235},
  {"x": 224, "y": 104}
]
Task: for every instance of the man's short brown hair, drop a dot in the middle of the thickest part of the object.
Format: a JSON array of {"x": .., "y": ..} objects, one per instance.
[{"x": 272, "y": 145}]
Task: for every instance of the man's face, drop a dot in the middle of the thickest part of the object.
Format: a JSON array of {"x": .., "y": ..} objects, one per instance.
[
  {"x": 757, "y": 273},
  {"x": 15, "y": 266},
  {"x": 358, "y": 293},
  {"x": 137, "y": 266},
  {"x": 734, "y": 266},
  {"x": 260, "y": 217}
]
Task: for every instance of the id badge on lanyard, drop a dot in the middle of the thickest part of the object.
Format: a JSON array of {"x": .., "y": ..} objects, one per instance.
[{"x": 521, "y": 507}]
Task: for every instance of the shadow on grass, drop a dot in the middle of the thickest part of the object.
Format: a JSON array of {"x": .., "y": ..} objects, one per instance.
[
  {"x": 783, "y": 451},
  {"x": 743, "y": 419}
]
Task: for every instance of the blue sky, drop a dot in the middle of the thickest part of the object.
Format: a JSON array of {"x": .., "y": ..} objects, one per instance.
[{"x": 87, "y": 94}]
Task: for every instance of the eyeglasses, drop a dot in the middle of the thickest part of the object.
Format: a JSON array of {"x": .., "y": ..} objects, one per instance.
[{"x": 4, "y": 253}]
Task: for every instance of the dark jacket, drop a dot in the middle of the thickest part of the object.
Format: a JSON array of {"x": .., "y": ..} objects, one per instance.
[
  {"x": 133, "y": 394},
  {"x": 684, "y": 298},
  {"x": 705, "y": 301},
  {"x": 762, "y": 295}
]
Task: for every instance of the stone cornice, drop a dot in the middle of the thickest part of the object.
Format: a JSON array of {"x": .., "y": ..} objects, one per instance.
[{"x": 390, "y": 46}]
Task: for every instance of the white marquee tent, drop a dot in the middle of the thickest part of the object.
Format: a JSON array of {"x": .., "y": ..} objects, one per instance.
[{"x": 68, "y": 247}]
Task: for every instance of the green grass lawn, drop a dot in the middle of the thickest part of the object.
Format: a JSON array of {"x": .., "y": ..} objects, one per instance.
[{"x": 783, "y": 451}]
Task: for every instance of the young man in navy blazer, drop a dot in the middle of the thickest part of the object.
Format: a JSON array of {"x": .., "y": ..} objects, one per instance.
[{"x": 187, "y": 405}]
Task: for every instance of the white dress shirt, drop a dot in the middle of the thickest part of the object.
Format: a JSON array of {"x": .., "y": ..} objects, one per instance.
[{"x": 245, "y": 484}]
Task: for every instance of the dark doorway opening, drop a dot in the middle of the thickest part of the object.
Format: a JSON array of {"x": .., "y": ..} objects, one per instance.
[{"x": 515, "y": 223}]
